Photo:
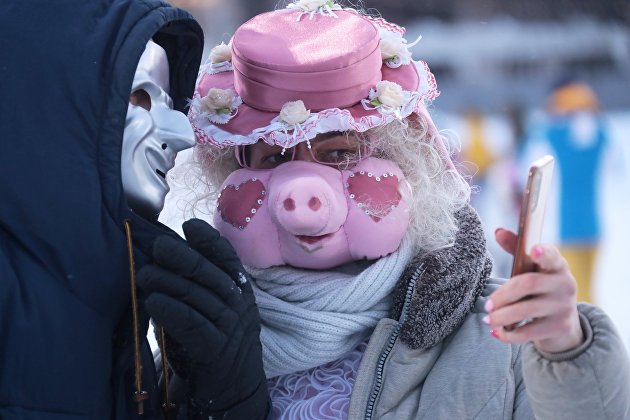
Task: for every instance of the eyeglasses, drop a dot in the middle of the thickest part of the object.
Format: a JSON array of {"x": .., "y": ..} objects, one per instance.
[{"x": 341, "y": 150}]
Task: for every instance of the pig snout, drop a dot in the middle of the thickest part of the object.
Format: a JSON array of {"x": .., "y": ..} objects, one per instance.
[{"x": 308, "y": 205}]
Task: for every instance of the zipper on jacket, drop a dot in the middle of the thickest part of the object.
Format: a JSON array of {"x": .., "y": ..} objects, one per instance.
[{"x": 378, "y": 381}]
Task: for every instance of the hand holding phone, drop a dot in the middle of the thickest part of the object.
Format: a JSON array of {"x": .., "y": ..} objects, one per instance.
[
  {"x": 549, "y": 303},
  {"x": 531, "y": 219}
]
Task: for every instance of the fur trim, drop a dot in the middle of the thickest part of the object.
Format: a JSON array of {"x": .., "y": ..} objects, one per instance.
[{"x": 447, "y": 289}]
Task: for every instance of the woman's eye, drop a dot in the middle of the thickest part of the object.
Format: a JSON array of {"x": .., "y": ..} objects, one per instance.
[
  {"x": 276, "y": 159},
  {"x": 338, "y": 155}
]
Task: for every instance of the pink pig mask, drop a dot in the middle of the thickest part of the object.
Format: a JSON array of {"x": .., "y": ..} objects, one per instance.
[{"x": 314, "y": 216}]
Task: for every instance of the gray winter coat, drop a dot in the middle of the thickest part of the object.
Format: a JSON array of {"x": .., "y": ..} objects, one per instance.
[{"x": 439, "y": 361}]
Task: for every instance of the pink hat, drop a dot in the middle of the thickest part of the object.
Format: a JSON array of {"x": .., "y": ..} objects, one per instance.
[{"x": 311, "y": 68}]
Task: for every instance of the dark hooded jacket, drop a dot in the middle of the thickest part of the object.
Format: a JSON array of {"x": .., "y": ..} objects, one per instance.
[{"x": 66, "y": 69}]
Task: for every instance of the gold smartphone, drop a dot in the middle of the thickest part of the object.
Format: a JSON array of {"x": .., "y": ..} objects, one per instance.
[{"x": 532, "y": 213}]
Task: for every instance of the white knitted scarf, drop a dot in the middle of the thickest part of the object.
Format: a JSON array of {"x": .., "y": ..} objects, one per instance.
[{"x": 313, "y": 317}]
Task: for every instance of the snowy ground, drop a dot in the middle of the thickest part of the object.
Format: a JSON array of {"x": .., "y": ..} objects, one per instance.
[{"x": 612, "y": 282}]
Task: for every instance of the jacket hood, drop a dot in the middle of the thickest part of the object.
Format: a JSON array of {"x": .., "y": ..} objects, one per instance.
[
  {"x": 66, "y": 75},
  {"x": 66, "y": 71}
]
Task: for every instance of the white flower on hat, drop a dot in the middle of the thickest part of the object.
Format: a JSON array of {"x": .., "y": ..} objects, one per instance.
[
  {"x": 292, "y": 117},
  {"x": 221, "y": 53},
  {"x": 389, "y": 98},
  {"x": 395, "y": 51},
  {"x": 312, "y": 7},
  {"x": 294, "y": 112},
  {"x": 218, "y": 101},
  {"x": 219, "y": 60},
  {"x": 219, "y": 105},
  {"x": 389, "y": 94},
  {"x": 392, "y": 47},
  {"x": 309, "y": 5}
]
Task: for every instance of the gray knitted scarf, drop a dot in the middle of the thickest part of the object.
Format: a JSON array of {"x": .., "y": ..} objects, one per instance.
[{"x": 313, "y": 317}]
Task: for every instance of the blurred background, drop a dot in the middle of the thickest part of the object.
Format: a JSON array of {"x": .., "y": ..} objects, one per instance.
[{"x": 519, "y": 80}]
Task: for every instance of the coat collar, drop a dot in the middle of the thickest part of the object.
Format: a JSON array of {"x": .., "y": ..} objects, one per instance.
[{"x": 445, "y": 292}]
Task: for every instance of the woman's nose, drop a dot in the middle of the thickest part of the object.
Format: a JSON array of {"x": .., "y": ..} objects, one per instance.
[{"x": 303, "y": 152}]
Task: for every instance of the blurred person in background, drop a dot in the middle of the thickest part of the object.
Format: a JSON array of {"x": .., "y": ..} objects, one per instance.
[
  {"x": 362, "y": 270},
  {"x": 578, "y": 138}
]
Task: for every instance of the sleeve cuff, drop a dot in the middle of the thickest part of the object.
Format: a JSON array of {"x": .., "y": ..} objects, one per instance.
[{"x": 577, "y": 351}]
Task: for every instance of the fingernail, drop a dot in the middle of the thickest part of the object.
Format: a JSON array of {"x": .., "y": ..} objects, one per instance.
[
  {"x": 486, "y": 319},
  {"x": 494, "y": 333},
  {"x": 488, "y": 306},
  {"x": 537, "y": 252}
]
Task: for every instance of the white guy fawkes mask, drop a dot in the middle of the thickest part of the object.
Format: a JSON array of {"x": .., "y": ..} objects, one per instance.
[{"x": 153, "y": 135}]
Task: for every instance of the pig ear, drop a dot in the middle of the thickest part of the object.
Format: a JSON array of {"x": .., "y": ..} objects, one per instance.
[
  {"x": 238, "y": 204},
  {"x": 377, "y": 194}
]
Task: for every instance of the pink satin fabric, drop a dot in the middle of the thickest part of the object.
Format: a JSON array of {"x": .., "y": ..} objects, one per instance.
[{"x": 341, "y": 54}]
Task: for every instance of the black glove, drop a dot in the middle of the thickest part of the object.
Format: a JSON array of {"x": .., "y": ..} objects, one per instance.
[{"x": 200, "y": 293}]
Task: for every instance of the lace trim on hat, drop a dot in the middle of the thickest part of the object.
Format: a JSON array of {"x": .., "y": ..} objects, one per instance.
[
  {"x": 214, "y": 68},
  {"x": 382, "y": 24},
  {"x": 333, "y": 119}
]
